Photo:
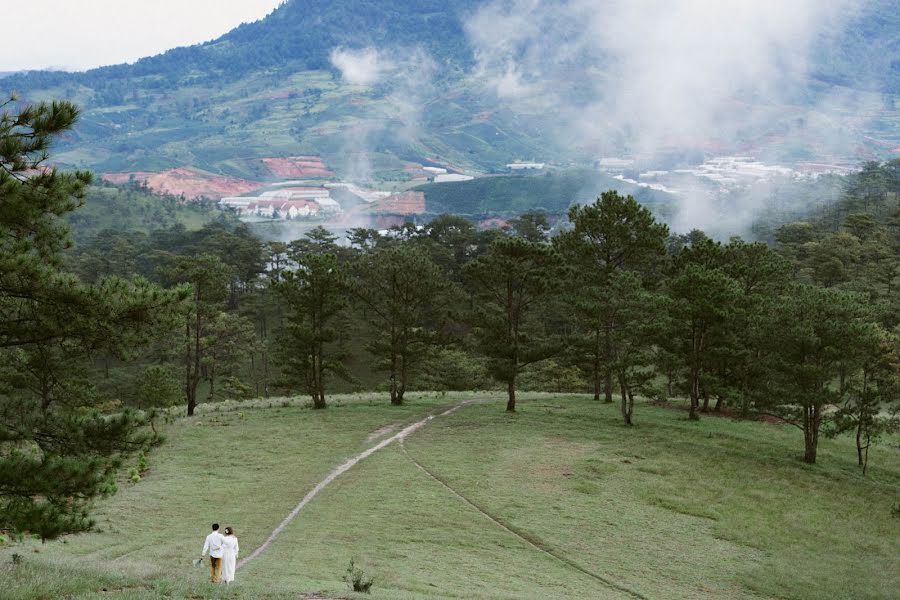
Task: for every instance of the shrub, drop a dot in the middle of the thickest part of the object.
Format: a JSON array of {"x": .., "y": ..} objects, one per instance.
[{"x": 357, "y": 578}]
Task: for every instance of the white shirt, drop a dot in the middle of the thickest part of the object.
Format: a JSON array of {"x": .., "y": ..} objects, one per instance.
[{"x": 213, "y": 544}]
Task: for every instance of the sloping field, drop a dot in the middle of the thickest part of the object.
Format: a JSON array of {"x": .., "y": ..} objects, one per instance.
[
  {"x": 191, "y": 183},
  {"x": 556, "y": 501}
]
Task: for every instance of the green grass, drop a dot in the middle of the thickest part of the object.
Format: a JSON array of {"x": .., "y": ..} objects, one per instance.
[{"x": 666, "y": 509}]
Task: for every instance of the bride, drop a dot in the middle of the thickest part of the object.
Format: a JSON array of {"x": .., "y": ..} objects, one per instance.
[{"x": 230, "y": 550}]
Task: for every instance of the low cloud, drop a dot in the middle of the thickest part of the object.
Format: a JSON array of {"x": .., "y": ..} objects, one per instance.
[
  {"x": 651, "y": 79},
  {"x": 405, "y": 80},
  {"x": 365, "y": 66}
]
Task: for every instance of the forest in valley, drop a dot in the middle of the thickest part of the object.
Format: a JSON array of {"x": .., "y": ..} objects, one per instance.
[{"x": 163, "y": 305}]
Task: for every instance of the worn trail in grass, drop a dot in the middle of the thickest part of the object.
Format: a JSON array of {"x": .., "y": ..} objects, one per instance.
[{"x": 579, "y": 507}]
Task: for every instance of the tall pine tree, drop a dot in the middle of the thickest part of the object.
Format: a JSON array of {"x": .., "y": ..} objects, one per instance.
[{"x": 57, "y": 450}]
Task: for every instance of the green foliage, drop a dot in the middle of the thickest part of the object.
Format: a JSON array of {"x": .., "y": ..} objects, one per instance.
[
  {"x": 207, "y": 277},
  {"x": 453, "y": 369},
  {"x": 57, "y": 451},
  {"x": 357, "y": 578},
  {"x": 508, "y": 282},
  {"x": 551, "y": 376},
  {"x": 811, "y": 334},
  {"x": 134, "y": 475},
  {"x": 134, "y": 209},
  {"x": 316, "y": 295},
  {"x": 157, "y": 387},
  {"x": 404, "y": 295},
  {"x": 612, "y": 251},
  {"x": 551, "y": 193}
]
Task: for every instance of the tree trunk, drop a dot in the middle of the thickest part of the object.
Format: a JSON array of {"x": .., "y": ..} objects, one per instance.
[
  {"x": 402, "y": 389},
  {"x": 630, "y": 406},
  {"x": 695, "y": 393},
  {"x": 719, "y": 401},
  {"x": 626, "y": 413},
  {"x": 810, "y": 433},
  {"x": 608, "y": 387},
  {"x": 859, "y": 448},
  {"x": 596, "y": 367},
  {"x": 810, "y": 455},
  {"x": 265, "y": 354},
  {"x": 319, "y": 401},
  {"x": 511, "y": 393},
  {"x": 396, "y": 398},
  {"x": 865, "y": 463},
  {"x": 191, "y": 400},
  {"x": 705, "y": 396}
]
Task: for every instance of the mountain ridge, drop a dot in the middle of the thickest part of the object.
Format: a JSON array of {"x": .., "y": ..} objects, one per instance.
[{"x": 270, "y": 89}]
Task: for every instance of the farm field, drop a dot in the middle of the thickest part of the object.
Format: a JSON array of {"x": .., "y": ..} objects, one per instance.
[{"x": 556, "y": 501}]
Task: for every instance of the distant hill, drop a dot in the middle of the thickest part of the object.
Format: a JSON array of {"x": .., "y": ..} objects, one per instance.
[
  {"x": 134, "y": 210},
  {"x": 269, "y": 90},
  {"x": 511, "y": 195}
]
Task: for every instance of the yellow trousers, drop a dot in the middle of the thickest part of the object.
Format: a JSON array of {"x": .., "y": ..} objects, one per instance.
[{"x": 215, "y": 569}]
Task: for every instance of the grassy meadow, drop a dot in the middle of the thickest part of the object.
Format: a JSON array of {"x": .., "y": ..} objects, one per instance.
[{"x": 556, "y": 501}]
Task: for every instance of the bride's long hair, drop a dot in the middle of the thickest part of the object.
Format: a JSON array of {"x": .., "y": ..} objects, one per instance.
[{"x": 229, "y": 531}]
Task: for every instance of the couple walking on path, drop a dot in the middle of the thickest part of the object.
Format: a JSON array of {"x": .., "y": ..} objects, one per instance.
[{"x": 223, "y": 551}]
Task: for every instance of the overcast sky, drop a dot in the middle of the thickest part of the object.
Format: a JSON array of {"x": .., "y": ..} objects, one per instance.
[{"x": 82, "y": 34}]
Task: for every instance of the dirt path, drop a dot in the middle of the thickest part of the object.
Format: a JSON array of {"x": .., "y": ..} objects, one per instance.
[
  {"x": 524, "y": 537},
  {"x": 338, "y": 471}
]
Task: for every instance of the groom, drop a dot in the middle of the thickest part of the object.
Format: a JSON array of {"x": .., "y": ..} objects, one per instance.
[{"x": 213, "y": 545}]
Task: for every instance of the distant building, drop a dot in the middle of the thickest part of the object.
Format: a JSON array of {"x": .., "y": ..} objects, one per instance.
[
  {"x": 450, "y": 177},
  {"x": 294, "y": 209},
  {"x": 292, "y": 203},
  {"x": 435, "y": 170},
  {"x": 236, "y": 201},
  {"x": 522, "y": 166},
  {"x": 300, "y": 193},
  {"x": 615, "y": 165},
  {"x": 328, "y": 205}
]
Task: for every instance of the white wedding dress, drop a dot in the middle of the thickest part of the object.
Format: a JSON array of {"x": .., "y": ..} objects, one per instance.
[{"x": 230, "y": 551}]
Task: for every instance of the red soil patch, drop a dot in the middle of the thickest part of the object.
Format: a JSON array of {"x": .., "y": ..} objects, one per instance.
[
  {"x": 188, "y": 182},
  {"x": 493, "y": 223},
  {"x": 407, "y": 203},
  {"x": 298, "y": 166},
  {"x": 726, "y": 412}
]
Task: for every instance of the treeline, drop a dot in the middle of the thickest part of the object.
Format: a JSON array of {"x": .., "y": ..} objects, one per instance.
[
  {"x": 806, "y": 330},
  {"x": 95, "y": 338},
  {"x": 137, "y": 209}
]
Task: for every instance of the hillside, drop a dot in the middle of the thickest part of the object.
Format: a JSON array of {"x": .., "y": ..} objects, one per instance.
[
  {"x": 558, "y": 500},
  {"x": 136, "y": 211},
  {"x": 552, "y": 193},
  {"x": 270, "y": 89}
]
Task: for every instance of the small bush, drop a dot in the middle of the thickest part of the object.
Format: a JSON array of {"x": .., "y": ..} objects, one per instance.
[
  {"x": 357, "y": 579},
  {"x": 16, "y": 558},
  {"x": 143, "y": 465},
  {"x": 133, "y": 475}
]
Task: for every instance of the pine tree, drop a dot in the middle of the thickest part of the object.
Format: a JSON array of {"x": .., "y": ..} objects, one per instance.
[
  {"x": 316, "y": 295},
  {"x": 57, "y": 450},
  {"x": 403, "y": 292},
  {"x": 613, "y": 235},
  {"x": 509, "y": 283}
]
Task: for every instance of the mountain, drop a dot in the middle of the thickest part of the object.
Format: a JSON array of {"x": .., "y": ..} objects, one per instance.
[{"x": 283, "y": 88}]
